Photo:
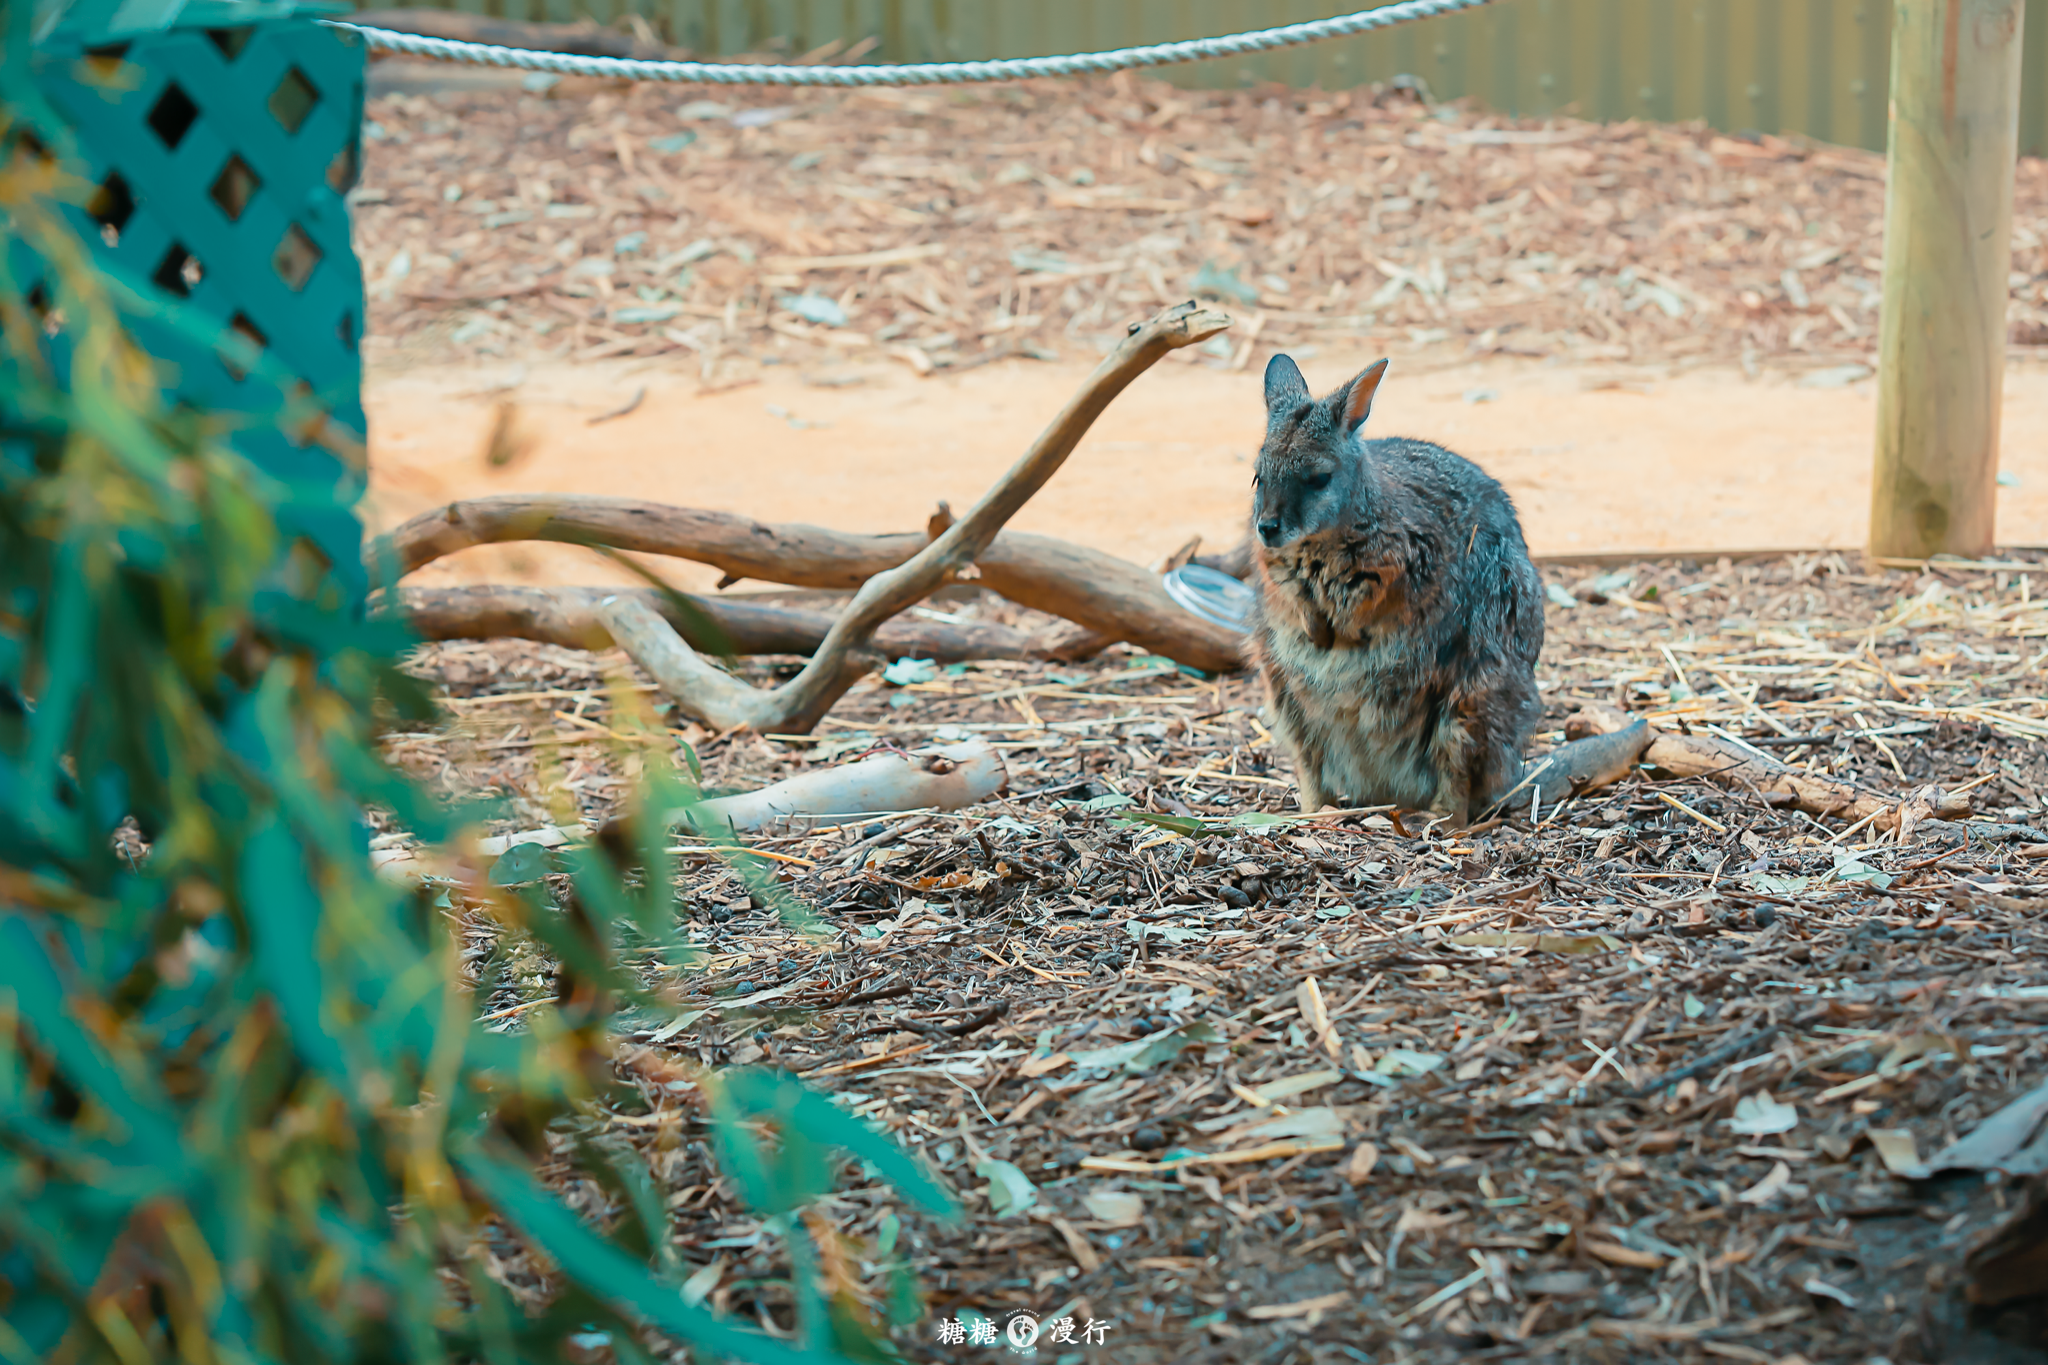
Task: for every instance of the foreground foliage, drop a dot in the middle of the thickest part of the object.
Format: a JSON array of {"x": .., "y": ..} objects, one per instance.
[{"x": 246, "y": 1112}]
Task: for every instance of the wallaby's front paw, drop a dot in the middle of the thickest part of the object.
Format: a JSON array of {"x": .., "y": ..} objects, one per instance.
[{"x": 1311, "y": 799}]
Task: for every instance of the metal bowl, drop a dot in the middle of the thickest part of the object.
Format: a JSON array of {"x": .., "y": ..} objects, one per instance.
[{"x": 1214, "y": 596}]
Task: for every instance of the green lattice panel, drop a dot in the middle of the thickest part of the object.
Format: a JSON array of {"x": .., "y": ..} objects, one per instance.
[{"x": 222, "y": 157}]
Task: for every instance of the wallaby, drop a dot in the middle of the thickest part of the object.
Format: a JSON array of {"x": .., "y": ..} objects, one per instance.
[{"x": 1399, "y": 618}]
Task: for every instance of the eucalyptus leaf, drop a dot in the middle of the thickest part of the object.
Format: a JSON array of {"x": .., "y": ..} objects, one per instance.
[
  {"x": 1401, "y": 1061},
  {"x": 1215, "y": 282},
  {"x": 1143, "y": 1054},
  {"x": 1850, "y": 868},
  {"x": 1261, "y": 819},
  {"x": 1009, "y": 1190},
  {"x": 754, "y": 1095},
  {"x": 904, "y": 672},
  {"x": 1179, "y": 824},
  {"x": 1172, "y": 933},
  {"x": 815, "y": 308}
]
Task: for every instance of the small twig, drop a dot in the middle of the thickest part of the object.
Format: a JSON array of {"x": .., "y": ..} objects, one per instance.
[
  {"x": 974, "y": 1095},
  {"x": 854, "y": 851},
  {"x": 1976, "y": 782},
  {"x": 975, "y": 1023},
  {"x": 1700, "y": 930},
  {"x": 972, "y": 1024},
  {"x": 1668, "y": 799},
  {"x": 879, "y": 993},
  {"x": 1720, "y": 1056},
  {"x": 630, "y": 405},
  {"x": 522, "y": 1008},
  {"x": 1054, "y": 790}
]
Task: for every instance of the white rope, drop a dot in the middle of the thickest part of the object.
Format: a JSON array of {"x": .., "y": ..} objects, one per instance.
[{"x": 918, "y": 73}]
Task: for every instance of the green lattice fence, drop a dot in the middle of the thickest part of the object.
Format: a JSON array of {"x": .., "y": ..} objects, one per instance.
[{"x": 222, "y": 137}]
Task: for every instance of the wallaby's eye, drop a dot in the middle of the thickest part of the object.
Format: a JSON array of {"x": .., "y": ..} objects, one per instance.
[{"x": 1315, "y": 483}]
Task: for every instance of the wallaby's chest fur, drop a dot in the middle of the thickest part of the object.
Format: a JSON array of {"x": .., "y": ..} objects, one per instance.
[{"x": 1398, "y": 637}]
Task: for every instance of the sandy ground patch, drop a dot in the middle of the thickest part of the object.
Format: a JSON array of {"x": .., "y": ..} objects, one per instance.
[{"x": 1707, "y": 459}]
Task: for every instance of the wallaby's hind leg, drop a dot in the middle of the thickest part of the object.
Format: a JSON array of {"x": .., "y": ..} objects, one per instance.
[
  {"x": 1312, "y": 797},
  {"x": 1577, "y": 765}
]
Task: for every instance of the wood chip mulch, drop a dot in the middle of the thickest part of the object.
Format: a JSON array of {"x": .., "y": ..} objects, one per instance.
[
  {"x": 1622, "y": 1086},
  {"x": 947, "y": 229}
]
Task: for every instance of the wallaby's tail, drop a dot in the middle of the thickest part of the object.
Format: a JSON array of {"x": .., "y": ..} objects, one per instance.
[{"x": 1577, "y": 765}]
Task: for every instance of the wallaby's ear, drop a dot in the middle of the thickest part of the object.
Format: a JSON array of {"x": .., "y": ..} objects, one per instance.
[
  {"x": 1286, "y": 390},
  {"x": 1354, "y": 400}
]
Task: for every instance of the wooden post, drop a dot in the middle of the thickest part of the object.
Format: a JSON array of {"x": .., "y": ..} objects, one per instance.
[{"x": 1955, "y": 102}]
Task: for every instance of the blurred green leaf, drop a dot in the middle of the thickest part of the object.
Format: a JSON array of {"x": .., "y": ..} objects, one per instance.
[
  {"x": 744, "y": 1097},
  {"x": 614, "y": 1276},
  {"x": 522, "y": 865}
]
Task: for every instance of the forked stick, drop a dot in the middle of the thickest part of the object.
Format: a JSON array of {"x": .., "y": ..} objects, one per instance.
[{"x": 720, "y": 700}]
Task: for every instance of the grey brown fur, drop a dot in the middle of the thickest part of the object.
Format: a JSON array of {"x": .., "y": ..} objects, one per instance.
[{"x": 1399, "y": 616}]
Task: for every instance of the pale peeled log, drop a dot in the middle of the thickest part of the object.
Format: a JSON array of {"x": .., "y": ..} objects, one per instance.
[{"x": 944, "y": 777}]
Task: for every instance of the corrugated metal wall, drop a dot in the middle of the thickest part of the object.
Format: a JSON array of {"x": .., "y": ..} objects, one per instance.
[{"x": 1817, "y": 67}]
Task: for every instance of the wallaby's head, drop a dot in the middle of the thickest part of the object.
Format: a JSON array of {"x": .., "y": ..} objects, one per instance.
[{"x": 1311, "y": 463}]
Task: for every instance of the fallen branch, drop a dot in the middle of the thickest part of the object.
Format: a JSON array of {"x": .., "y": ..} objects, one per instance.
[
  {"x": 718, "y": 699},
  {"x": 568, "y": 617},
  {"x": 1108, "y": 597},
  {"x": 946, "y": 777},
  {"x": 1729, "y": 765}
]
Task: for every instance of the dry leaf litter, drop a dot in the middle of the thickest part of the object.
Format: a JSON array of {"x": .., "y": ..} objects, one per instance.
[
  {"x": 1628, "y": 1083},
  {"x": 947, "y": 229}
]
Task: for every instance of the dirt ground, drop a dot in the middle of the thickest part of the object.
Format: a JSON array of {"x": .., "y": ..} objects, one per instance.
[
  {"x": 1609, "y": 1088},
  {"x": 1599, "y": 459},
  {"x": 1626, "y": 1080}
]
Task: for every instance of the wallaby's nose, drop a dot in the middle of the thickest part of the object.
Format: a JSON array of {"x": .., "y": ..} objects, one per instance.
[{"x": 1269, "y": 531}]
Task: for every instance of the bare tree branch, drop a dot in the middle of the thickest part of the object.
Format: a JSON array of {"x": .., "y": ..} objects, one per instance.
[
  {"x": 1105, "y": 595},
  {"x": 567, "y": 616},
  {"x": 1109, "y": 597},
  {"x": 796, "y": 707}
]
